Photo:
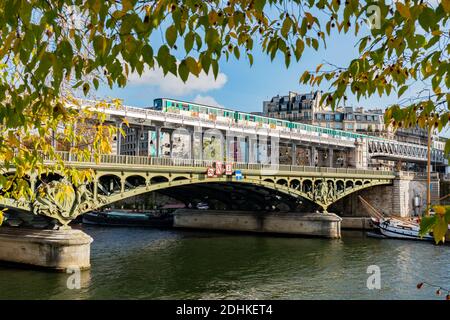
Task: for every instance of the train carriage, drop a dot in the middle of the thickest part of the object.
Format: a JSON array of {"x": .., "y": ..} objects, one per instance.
[{"x": 232, "y": 117}]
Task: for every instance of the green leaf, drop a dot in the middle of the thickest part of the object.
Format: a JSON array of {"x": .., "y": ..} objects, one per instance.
[
  {"x": 189, "y": 41},
  {"x": 287, "y": 24},
  {"x": 402, "y": 90},
  {"x": 250, "y": 58},
  {"x": 426, "y": 225},
  {"x": 212, "y": 37},
  {"x": 206, "y": 62},
  {"x": 86, "y": 88},
  {"x": 183, "y": 70},
  {"x": 192, "y": 66},
  {"x": 147, "y": 55},
  {"x": 215, "y": 67},
  {"x": 236, "y": 52},
  {"x": 96, "y": 83},
  {"x": 299, "y": 47},
  {"x": 427, "y": 18},
  {"x": 315, "y": 44},
  {"x": 259, "y": 5},
  {"x": 171, "y": 35}
]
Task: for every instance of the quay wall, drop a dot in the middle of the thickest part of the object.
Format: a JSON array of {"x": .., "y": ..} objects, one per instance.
[{"x": 294, "y": 223}]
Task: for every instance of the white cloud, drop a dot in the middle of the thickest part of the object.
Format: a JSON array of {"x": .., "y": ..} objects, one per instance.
[
  {"x": 175, "y": 86},
  {"x": 208, "y": 100}
]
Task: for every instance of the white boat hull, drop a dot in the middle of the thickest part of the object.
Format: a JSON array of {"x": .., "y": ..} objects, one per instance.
[{"x": 397, "y": 229}]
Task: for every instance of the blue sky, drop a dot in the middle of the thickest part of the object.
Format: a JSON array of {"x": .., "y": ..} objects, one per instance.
[{"x": 242, "y": 87}]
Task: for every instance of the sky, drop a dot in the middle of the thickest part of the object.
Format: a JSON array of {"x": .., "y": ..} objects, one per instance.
[{"x": 240, "y": 86}]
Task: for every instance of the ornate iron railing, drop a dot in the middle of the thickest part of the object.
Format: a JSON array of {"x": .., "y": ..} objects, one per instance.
[{"x": 111, "y": 159}]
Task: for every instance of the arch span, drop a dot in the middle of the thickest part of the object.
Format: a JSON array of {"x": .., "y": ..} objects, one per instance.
[{"x": 323, "y": 192}]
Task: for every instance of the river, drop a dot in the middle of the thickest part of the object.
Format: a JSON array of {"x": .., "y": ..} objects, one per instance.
[{"x": 139, "y": 263}]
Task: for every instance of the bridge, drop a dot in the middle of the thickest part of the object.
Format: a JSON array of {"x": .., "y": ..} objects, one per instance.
[
  {"x": 116, "y": 177},
  {"x": 121, "y": 177}
]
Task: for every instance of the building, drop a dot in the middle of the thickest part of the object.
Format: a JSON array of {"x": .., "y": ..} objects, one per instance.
[
  {"x": 294, "y": 106},
  {"x": 306, "y": 108},
  {"x": 349, "y": 119}
]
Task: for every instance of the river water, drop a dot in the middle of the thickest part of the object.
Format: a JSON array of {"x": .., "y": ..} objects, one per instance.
[{"x": 138, "y": 263}]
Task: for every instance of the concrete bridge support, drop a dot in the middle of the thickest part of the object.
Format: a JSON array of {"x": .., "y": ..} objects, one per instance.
[
  {"x": 394, "y": 200},
  {"x": 57, "y": 250}
]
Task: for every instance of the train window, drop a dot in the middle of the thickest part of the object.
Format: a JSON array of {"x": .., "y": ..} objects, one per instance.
[{"x": 185, "y": 107}]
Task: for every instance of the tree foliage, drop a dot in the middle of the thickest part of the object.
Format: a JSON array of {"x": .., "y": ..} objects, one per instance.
[{"x": 437, "y": 223}]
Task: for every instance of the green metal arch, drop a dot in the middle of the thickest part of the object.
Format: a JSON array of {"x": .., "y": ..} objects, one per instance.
[{"x": 260, "y": 182}]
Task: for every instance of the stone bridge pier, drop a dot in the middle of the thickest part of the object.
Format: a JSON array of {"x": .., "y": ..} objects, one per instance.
[{"x": 405, "y": 197}]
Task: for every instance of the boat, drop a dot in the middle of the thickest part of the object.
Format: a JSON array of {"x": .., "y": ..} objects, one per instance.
[
  {"x": 394, "y": 228},
  {"x": 155, "y": 218},
  {"x": 398, "y": 229}
]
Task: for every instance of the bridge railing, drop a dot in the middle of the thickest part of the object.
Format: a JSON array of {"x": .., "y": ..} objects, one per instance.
[{"x": 112, "y": 159}]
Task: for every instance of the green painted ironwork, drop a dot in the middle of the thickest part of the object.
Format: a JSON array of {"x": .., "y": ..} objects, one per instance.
[{"x": 322, "y": 186}]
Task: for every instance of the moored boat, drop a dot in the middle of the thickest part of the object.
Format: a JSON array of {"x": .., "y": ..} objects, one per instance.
[
  {"x": 398, "y": 229},
  {"x": 128, "y": 219}
]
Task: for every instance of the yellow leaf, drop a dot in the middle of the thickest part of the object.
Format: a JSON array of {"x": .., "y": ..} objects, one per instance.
[
  {"x": 440, "y": 229},
  {"x": 318, "y": 67},
  {"x": 440, "y": 210},
  {"x": 446, "y": 5},
  {"x": 127, "y": 5},
  {"x": 1, "y": 218},
  {"x": 403, "y": 10},
  {"x": 309, "y": 17}
]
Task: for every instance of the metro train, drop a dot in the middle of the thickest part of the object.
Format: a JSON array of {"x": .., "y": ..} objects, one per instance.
[{"x": 231, "y": 117}]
